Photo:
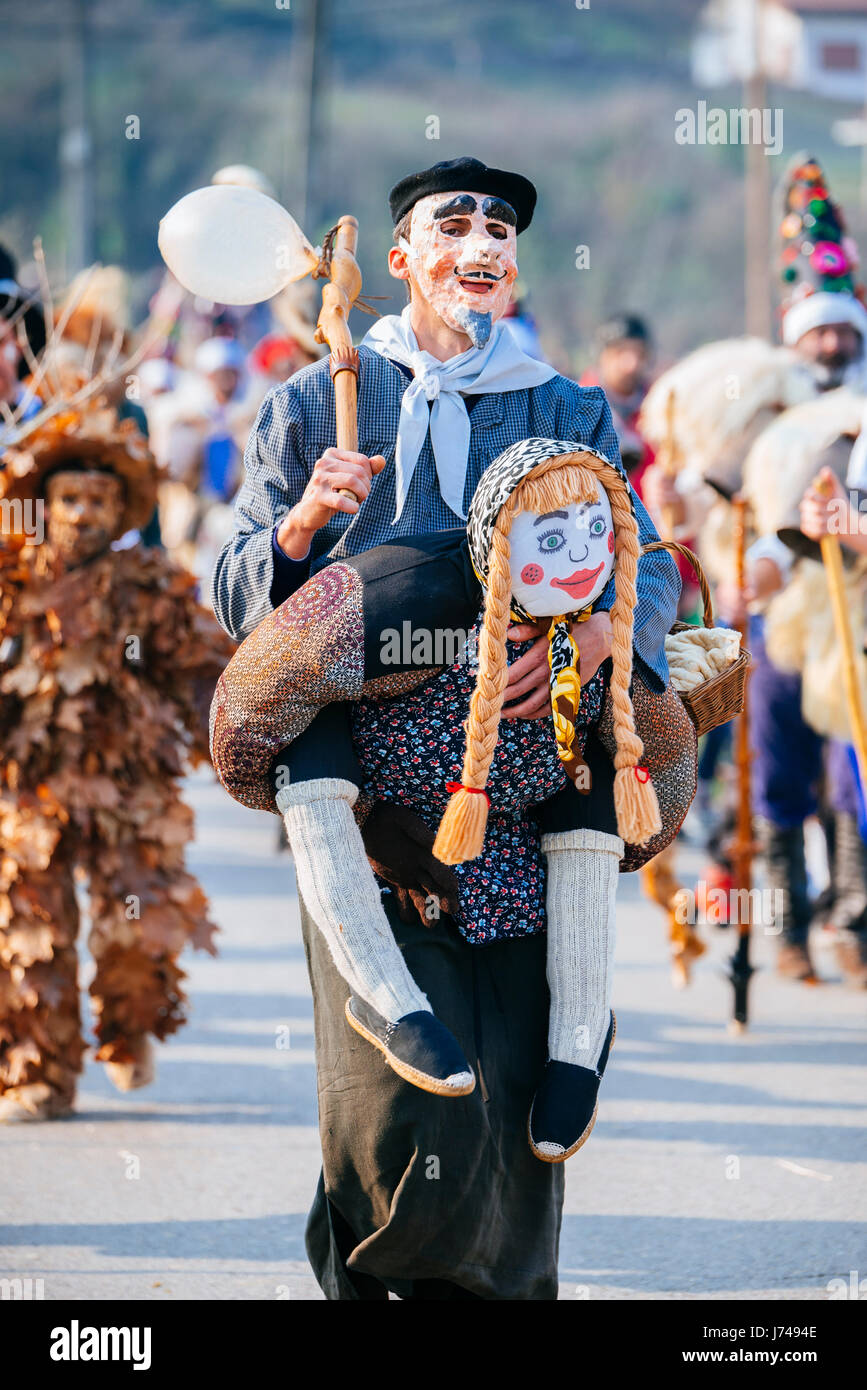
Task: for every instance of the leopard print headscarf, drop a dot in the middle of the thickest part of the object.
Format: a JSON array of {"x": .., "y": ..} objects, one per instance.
[{"x": 497, "y": 484}]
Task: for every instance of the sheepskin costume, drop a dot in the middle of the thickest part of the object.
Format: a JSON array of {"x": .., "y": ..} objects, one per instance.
[
  {"x": 724, "y": 395},
  {"x": 723, "y": 392},
  {"x": 799, "y": 625}
]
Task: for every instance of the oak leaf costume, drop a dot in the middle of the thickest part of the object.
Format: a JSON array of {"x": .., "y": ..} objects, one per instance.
[{"x": 106, "y": 671}]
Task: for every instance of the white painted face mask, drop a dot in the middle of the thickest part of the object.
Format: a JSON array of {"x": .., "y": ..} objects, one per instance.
[
  {"x": 561, "y": 561},
  {"x": 462, "y": 256}
]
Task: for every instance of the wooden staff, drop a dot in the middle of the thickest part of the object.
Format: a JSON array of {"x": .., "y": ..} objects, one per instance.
[
  {"x": 659, "y": 878},
  {"x": 668, "y": 459},
  {"x": 832, "y": 558},
  {"x": 332, "y": 327},
  {"x": 740, "y": 969}
]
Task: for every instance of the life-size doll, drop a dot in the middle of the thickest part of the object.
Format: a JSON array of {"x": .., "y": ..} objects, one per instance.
[
  {"x": 547, "y": 524},
  {"x": 107, "y": 666}
]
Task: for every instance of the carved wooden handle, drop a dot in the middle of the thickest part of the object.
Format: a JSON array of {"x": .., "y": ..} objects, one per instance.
[{"x": 332, "y": 328}]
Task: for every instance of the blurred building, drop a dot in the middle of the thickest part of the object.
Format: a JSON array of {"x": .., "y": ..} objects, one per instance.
[{"x": 818, "y": 46}]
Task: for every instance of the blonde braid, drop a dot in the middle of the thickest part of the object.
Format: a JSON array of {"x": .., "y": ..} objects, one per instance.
[
  {"x": 635, "y": 802},
  {"x": 462, "y": 829}
]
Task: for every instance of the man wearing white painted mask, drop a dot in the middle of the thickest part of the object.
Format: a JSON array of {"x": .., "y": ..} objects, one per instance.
[{"x": 443, "y": 390}]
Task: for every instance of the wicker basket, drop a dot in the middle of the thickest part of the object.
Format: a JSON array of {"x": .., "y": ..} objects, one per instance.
[{"x": 720, "y": 699}]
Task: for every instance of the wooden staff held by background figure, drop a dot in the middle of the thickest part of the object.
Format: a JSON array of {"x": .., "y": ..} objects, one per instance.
[
  {"x": 668, "y": 459},
  {"x": 743, "y": 846},
  {"x": 832, "y": 558}
]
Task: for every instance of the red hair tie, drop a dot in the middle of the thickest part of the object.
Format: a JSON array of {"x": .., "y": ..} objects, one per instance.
[
  {"x": 638, "y": 769},
  {"x": 459, "y": 786}
]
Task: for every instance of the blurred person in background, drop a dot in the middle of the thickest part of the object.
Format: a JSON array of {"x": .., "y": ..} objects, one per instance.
[
  {"x": 200, "y": 419},
  {"x": 841, "y": 486},
  {"x": 275, "y": 358},
  {"x": 624, "y": 371},
  {"x": 14, "y": 366},
  {"x": 825, "y": 323},
  {"x": 522, "y": 325},
  {"x": 766, "y": 440},
  {"x": 90, "y": 769},
  {"x": 220, "y": 363},
  {"x": 157, "y": 377},
  {"x": 98, "y": 338}
]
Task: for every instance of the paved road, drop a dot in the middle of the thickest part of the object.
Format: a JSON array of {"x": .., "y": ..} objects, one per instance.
[{"x": 720, "y": 1167}]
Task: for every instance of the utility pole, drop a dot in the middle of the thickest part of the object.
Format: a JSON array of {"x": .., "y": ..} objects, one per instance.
[
  {"x": 757, "y": 191},
  {"x": 313, "y": 63},
  {"x": 76, "y": 148}
]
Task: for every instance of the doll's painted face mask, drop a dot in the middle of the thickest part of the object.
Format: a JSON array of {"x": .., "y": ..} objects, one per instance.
[
  {"x": 84, "y": 512},
  {"x": 561, "y": 561},
  {"x": 462, "y": 254}
]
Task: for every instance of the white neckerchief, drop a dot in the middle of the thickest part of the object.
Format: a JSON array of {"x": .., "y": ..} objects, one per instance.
[{"x": 500, "y": 366}]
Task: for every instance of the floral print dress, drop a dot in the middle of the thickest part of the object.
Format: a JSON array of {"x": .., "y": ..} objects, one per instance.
[{"x": 411, "y": 746}]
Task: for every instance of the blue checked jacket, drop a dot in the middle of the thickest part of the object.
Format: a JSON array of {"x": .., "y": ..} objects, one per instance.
[{"x": 296, "y": 424}]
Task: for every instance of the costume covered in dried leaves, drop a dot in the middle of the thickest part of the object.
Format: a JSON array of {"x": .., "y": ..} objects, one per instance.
[{"x": 107, "y": 666}]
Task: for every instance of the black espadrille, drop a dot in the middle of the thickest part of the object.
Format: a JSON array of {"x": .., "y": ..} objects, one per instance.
[
  {"x": 418, "y": 1047},
  {"x": 564, "y": 1108}
]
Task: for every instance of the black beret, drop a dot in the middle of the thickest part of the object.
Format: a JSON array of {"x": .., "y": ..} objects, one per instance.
[{"x": 469, "y": 175}]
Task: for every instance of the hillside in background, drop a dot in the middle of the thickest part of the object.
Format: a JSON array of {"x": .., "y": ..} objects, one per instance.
[{"x": 583, "y": 101}]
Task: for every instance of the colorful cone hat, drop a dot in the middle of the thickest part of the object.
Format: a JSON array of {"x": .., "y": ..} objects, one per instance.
[{"x": 817, "y": 256}]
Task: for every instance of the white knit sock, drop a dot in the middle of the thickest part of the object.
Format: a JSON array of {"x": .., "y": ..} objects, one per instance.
[
  {"x": 583, "y": 869},
  {"x": 339, "y": 889}
]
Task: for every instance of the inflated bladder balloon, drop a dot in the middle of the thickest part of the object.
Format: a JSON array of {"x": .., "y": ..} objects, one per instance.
[{"x": 233, "y": 245}]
